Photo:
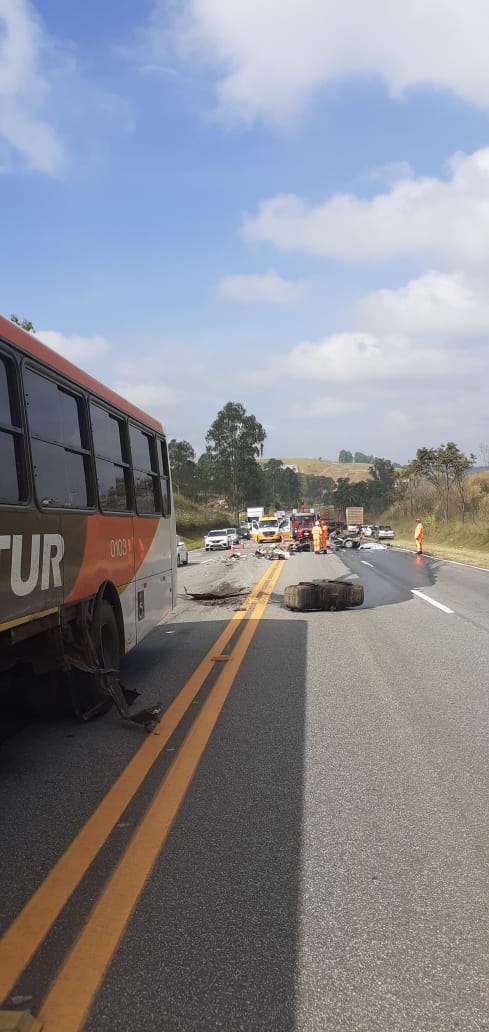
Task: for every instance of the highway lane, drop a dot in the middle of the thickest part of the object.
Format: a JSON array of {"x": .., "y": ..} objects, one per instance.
[{"x": 328, "y": 866}]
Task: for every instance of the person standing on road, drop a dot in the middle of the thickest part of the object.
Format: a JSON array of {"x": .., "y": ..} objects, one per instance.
[
  {"x": 418, "y": 536},
  {"x": 324, "y": 536},
  {"x": 316, "y": 537}
]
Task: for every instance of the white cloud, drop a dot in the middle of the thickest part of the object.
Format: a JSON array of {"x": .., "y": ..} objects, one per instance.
[
  {"x": 77, "y": 349},
  {"x": 427, "y": 218},
  {"x": 434, "y": 304},
  {"x": 355, "y": 357},
  {"x": 149, "y": 396},
  {"x": 270, "y": 58},
  {"x": 24, "y": 88},
  {"x": 397, "y": 420},
  {"x": 326, "y": 407},
  {"x": 269, "y": 287}
]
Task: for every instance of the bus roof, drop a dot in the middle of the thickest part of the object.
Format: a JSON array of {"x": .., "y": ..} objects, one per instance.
[{"x": 30, "y": 345}]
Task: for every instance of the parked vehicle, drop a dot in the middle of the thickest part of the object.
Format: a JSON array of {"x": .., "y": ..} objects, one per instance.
[
  {"x": 244, "y": 531},
  {"x": 255, "y": 512},
  {"x": 268, "y": 530},
  {"x": 233, "y": 535},
  {"x": 385, "y": 534},
  {"x": 216, "y": 539},
  {"x": 182, "y": 552},
  {"x": 301, "y": 526},
  {"x": 87, "y": 527},
  {"x": 285, "y": 528}
]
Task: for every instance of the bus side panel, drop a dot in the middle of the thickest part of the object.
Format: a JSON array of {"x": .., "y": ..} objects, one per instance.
[
  {"x": 109, "y": 555},
  {"x": 34, "y": 574},
  {"x": 155, "y": 586}
]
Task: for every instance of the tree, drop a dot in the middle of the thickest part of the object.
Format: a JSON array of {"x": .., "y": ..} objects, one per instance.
[
  {"x": 205, "y": 478},
  {"x": 183, "y": 467},
  {"x": 345, "y": 456},
  {"x": 484, "y": 454},
  {"x": 381, "y": 487},
  {"x": 361, "y": 457},
  {"x": 290, "y": 489},
  {"x": 271, "y": 476},
  {"x": 345, "y": 493},
  {"x": 445, "y": 467},
  {"x": 234, "y": 441},
  {"x": 24, "y": 325}
]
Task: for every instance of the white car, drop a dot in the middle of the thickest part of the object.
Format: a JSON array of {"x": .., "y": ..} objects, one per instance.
[
  {"x": 182, "y": 552},
  {"x": 385, "y": 534},
  {"x": 216, "y": 539},
  {"x": 233, "y": 535}
]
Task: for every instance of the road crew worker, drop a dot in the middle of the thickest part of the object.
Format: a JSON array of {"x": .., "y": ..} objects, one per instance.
[
  {"x": 324, "y": 536},
  {"x": 316, "y": 537},
  {"x": 418, "y": 536}
]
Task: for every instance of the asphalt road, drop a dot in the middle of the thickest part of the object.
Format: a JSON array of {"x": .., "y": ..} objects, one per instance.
[{"x": 327, "y": 866}]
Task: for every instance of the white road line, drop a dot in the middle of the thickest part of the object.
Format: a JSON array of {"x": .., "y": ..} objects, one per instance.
[
  {"x": 365, "y": 563},
  {"x": 432, "y": 602}
]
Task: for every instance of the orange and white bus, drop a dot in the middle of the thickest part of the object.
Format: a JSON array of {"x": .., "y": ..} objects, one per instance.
[{"x": 87, "y": 527}]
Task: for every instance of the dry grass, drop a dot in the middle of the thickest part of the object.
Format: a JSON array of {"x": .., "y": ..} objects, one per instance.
[
  {"x": 355, "y": 471},
  {"x": 471, "y": 556}
]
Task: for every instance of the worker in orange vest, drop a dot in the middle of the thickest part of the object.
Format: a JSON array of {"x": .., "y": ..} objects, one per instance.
[
  {"x": 418, "y": 536},
  {"x": 324, "y": 536},
  {"x": 316, "y": 537}
]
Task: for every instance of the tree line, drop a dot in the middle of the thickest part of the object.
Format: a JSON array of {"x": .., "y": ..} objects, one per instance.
[
  {"x": 230, "y": 468},
  {"x": 434, "y": 481}
]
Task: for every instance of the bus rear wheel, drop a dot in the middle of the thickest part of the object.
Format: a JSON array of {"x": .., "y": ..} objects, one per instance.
[{"x": 88, "y": 696}]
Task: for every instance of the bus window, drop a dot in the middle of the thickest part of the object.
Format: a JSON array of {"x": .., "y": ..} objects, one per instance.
[
  {"x": 12, "y": 481},
  {"x": 61, "y": 462},
  {"x": 143, "y": 454},
  {"x": 164, "y": 477},
  {"x": 111, "y": 460}
]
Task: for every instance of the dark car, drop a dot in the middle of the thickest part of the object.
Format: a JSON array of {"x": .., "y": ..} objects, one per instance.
[{"x": 244, "y": 531}]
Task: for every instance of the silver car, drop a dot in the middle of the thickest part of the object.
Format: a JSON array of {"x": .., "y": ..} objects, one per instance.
[
  {"x": 182, "y": 552},
  {"x": 385, "y": 534}
]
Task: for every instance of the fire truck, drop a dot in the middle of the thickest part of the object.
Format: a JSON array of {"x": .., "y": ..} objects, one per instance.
[{"x": 301, "y": 524}]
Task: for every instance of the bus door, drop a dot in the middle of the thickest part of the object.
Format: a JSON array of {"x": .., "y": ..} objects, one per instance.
[{"x": 154, "y": 531}]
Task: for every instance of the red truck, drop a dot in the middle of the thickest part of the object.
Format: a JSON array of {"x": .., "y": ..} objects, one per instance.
[{"x": 301, "y": 524}]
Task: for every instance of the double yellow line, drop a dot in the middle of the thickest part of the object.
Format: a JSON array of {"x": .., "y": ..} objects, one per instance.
[{"x": 70, "y": 997}]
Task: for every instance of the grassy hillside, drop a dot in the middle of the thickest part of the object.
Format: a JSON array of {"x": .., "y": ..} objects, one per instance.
[
  {"x": 194, "y": 520},
  {"x": 355, "y": 471}
]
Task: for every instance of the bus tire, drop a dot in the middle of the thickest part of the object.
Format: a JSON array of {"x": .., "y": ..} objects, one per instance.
[
  {"x": 301, "y": 597},
  {"x": 87, "y": 693}
]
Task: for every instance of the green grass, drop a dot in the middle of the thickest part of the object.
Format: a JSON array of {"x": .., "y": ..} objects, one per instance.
[
  {"x": 463, "y": 542},
  {"x": 194, "y": 520}
]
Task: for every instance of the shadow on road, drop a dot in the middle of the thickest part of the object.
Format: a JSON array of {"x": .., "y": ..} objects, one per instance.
[{"x": 216, "y": 933}]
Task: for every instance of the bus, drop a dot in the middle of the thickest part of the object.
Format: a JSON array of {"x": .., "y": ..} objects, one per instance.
[{"x": 87, "y": 528}]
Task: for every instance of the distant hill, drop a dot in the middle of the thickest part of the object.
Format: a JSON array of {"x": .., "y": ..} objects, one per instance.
[{"x": 355, "y": 471}]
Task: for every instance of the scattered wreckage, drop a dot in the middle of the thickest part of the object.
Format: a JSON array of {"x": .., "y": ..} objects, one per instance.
[
  {"x": 326, "y": 595},
  {"x": 223, "y": 594},
  {"x": 340, "y": 539},
  {"x": 283, "y": 551}
]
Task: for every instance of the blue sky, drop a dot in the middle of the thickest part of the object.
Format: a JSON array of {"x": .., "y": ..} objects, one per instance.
[{"x": 278, "y": 202}]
